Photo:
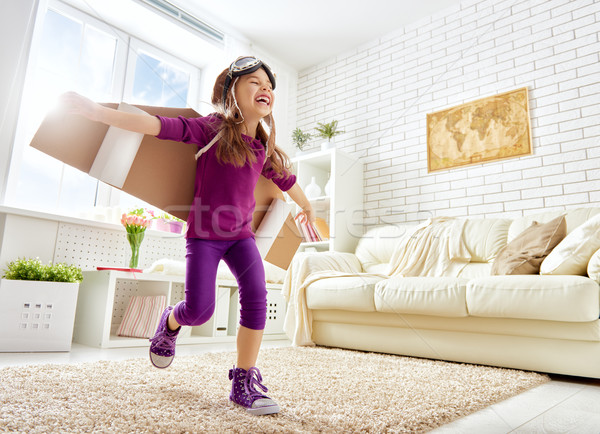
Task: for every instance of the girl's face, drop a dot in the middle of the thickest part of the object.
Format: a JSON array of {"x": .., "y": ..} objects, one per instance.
[{"x": 254, "y": 95}]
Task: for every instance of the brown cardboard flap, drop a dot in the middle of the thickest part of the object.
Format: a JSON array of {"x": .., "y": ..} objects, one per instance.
[
  {"x": 285, "y": 246},
  {"x": 287, "y": 242},
  {"x": 163, "y": 171},
  {"x": 72, "y": 139}
]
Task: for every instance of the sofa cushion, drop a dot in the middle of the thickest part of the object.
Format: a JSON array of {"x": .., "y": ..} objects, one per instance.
[
  {"x": 354, "y": 293},
  {"x": 572, "y": 254},
  {"x": 553, "y": 298},
  {"x": 476, "y": 269},
  {"x": 376, "y": 247},
  {"x": 485, "y": 237},
  {"x": 438, "y": 296},
  {"x": 574, "y": 218},
  {"x": 525, "y": 253}
]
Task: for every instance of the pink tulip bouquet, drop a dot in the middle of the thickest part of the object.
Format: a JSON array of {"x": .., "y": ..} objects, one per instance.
[{"x": 135, "y": 223}]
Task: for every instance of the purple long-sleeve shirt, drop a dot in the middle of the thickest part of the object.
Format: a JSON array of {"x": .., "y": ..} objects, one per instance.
[{"x": 223, "y": 194}]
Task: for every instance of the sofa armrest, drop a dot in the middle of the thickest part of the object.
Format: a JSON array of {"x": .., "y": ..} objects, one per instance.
[
  {"x": 325, "y": 261},
  {"x": 298, "y": 319},
  {"x": 305, "y": 263}
]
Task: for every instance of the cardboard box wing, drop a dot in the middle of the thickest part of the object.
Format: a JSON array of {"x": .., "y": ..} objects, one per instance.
[
  {"x": 276, "y": 233},
  {"x": 161, "y": 172}
]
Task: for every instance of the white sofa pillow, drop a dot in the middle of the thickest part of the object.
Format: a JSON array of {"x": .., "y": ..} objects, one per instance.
[
  {"x": 593, "y": 268},
  {"x": 572, "y": 254}
]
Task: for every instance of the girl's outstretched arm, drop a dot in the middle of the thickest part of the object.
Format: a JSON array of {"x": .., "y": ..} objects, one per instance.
[
  {"x": 77, "y": 104},
  {"x": 299, "y": 197}
]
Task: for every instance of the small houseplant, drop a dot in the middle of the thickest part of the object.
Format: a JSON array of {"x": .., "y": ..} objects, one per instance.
[
  {"x": 300, "y": 138},
  {"x": 33, "y": 269},
  {"x": 328, "y": 131},
  {"x": 37, "y": 305},
  {"x": 168, "y": 223}
]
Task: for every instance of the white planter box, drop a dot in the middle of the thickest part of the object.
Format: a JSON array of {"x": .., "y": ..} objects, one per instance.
[{"x": 36, "y": 316}]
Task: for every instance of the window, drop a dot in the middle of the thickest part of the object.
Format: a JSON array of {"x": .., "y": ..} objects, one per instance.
[
  {"x": 77, "y": 52},
  {"x": 156, "y": 81}
]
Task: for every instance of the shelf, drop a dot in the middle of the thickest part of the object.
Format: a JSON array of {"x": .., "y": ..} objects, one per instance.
[
  {"x": 321, "y": 200},
  {"x": 315, "y": 243},
  {"x": 105, "y": 295},
  {"x": 321, "y": 158},
  {"x": 342, "y": 208},
  {"x": 318, "y": 246}
]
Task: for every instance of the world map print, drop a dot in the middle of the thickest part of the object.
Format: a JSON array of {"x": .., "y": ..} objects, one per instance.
[{"x": 491, "y": 128}]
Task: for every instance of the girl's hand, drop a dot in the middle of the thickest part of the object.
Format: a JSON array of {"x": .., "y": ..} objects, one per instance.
[
  {"x": 77, "y": 104},
  {"x": 308, "y": 213}
]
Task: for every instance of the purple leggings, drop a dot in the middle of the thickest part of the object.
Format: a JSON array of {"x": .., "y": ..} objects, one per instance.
[{"x": 244, "y": 261}]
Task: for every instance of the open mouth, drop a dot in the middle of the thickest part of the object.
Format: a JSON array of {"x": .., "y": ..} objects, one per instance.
[{"x": 263, "y": 100}]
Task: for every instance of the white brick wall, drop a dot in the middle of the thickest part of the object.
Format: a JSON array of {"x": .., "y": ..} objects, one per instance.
[{"x": 381, "y": 92}]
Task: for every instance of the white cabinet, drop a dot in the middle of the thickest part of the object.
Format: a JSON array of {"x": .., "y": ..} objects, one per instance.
[
  {"x": 342, "y": 208},
  {"x": 104, "y": 297}
]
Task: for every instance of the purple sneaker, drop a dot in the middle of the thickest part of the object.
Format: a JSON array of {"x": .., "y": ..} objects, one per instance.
[
  {"x": 243, "y": 392},
  {"x": 162, "y": 347}
]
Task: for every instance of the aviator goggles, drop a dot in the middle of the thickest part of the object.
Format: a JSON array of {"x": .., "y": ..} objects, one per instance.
[{"x": 245, "y": 65}]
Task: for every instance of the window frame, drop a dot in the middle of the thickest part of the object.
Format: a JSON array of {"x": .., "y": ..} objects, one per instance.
[
  {"x": 136, "y": 45},
  {"x": 123, "y": 73}
]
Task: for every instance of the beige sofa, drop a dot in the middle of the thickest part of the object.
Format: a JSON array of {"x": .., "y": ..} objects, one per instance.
[{"x": 547, "y": 323}]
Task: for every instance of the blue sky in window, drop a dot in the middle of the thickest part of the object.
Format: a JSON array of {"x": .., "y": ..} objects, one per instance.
[{"x": 159, "y": 83}]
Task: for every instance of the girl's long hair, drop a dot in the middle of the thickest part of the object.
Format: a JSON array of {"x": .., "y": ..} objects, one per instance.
[{"x": 232, "y": 148}]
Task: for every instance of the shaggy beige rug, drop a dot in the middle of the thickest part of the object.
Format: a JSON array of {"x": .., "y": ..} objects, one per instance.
[{"x": 318, "y": 390}]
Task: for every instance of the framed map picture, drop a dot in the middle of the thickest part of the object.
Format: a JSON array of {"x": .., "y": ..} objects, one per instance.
[{"x": 487, "y": 129}]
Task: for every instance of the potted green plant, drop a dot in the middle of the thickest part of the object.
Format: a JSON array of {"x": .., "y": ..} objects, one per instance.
[
  {"x": 300, "y": 139},
  {"x": 328, "y": 131},
  {"x": 168, "y": 223},
  {"x": 37, "y": 305}
]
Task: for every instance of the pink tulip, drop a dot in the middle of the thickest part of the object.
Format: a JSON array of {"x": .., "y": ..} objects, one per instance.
[{"x": 134, "y": 223}]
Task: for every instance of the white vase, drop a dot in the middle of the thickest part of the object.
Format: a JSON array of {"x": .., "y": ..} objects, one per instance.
[{"x": 312, "y": 190}]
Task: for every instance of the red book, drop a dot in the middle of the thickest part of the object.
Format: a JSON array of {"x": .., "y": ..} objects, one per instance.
[{"x": 132, "y": 270}]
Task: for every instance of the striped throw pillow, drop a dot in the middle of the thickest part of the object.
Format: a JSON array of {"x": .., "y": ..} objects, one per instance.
[{"x": 142, "y": 316}]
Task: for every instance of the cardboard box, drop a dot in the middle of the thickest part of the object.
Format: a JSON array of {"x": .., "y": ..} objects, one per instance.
[{"x": 158, "y": 172}]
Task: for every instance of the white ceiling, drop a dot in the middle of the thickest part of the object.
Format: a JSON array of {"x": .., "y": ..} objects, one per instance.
[{"x": 303, "y": 33}]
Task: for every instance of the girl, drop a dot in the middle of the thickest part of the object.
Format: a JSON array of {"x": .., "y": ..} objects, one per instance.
[{"x": 219, "y": 222}]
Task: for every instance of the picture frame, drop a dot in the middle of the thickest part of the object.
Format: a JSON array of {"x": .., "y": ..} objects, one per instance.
[{"x": 488, "y": 129}]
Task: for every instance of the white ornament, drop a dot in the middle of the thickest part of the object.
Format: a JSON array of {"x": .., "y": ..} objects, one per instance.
[{"x": 312, "y": 190}]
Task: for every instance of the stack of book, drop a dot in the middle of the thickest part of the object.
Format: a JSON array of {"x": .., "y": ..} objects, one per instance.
[{"x": 313, "y": 232}]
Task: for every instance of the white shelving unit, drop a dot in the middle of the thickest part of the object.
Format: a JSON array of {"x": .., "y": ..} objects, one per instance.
[
  {"x": 342, "y": 209},
  {"x": 104, "y": 296}
]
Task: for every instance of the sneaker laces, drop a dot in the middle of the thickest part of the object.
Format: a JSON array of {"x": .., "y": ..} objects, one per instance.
[
  {"x": 252, "y": 380},
  {"x": 164, "y": 341}
]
